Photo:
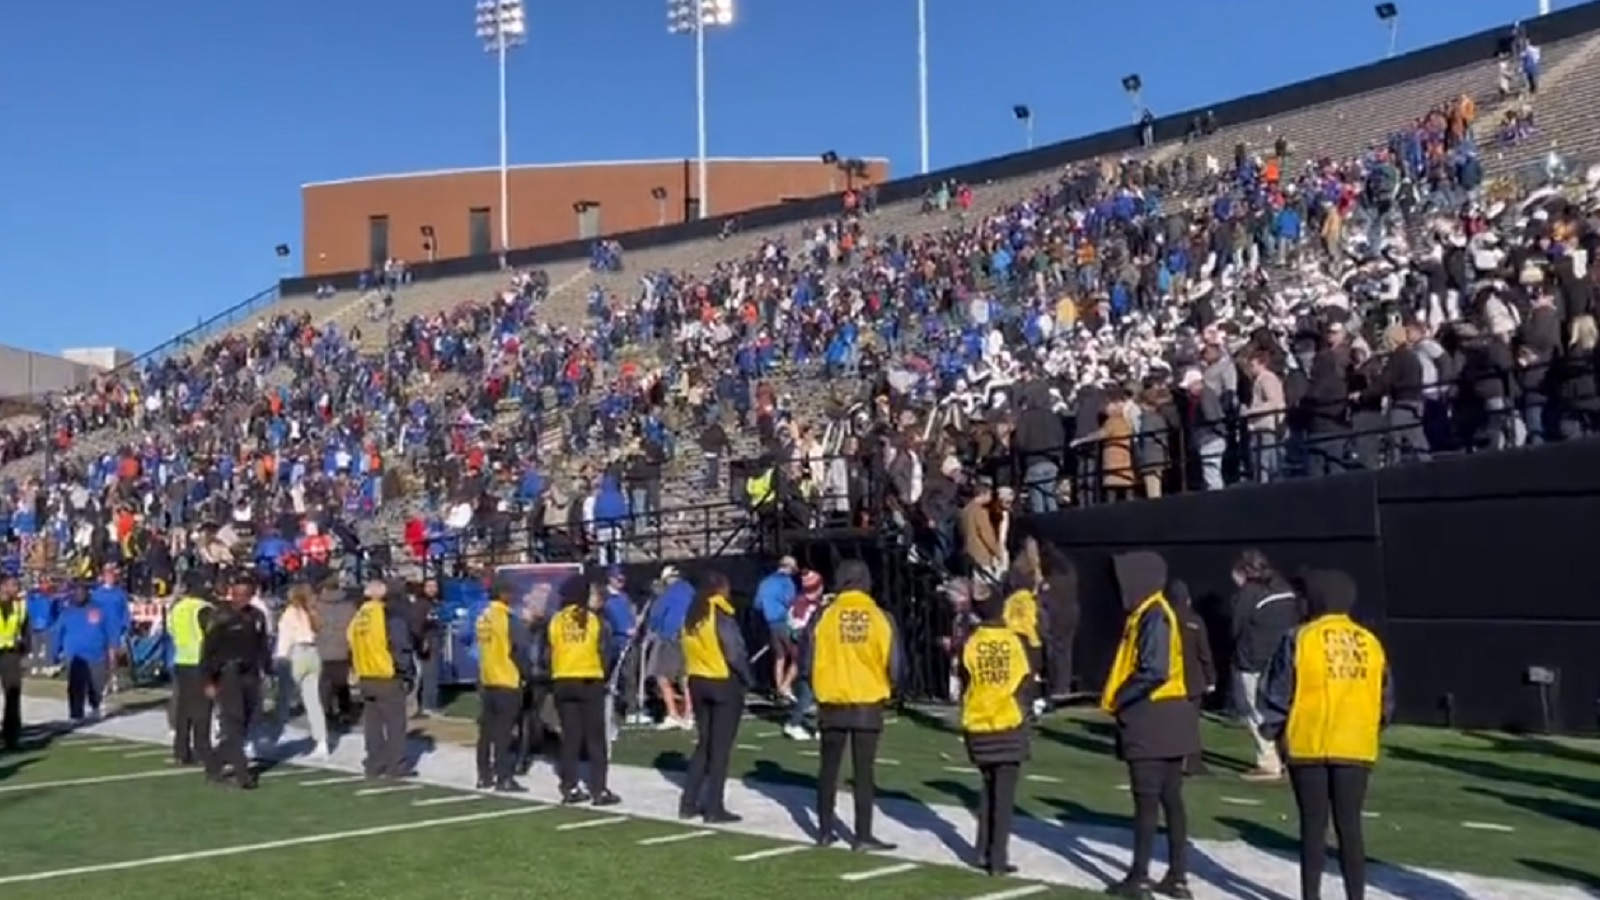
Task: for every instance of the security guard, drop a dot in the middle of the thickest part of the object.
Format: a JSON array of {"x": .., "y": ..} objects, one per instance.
[
  {"x": 188, "y": 620},
  {"x": 234, "y": 656},
  {"x": 380, "y": 646},
  {"x": 718, "y": 667},
  {"x": 997, "y": 674},
  {"x": 502, "y": 668},
  {"x": 578, "y": 637},
  {"x": 1157, "y": 726},
  {"x": 1022, "y": 616},
  {"x": 1324, "y": 700},
  {"x": 853, "y": 658},
  {"x": 13, "y": 651}
]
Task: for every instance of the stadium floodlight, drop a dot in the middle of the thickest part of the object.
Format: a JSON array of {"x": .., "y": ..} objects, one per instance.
[
  {"x": 281, "y": 251},
  {"x": 1025, "y": 116},
  {"x": 502, "y": 24},
  {"x": 1133, "y": 86},
  {"x": 1389, "y": 15},
  {"x": 830, "y": 158},
  {"x": 922, "y": 79},
  {"x": 694, "y": 17}
]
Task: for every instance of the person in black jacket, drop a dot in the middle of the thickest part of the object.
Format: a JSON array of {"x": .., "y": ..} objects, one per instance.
[
  {"x": 1039, "y": 442},
  {"x": 1399, "y": 386},
  {"x": 1264, "y": 610},
  {"x": 1200, "y": 671},
  {"x": 1058, "y": 598},
  {"x": 1324, "y": 406}
]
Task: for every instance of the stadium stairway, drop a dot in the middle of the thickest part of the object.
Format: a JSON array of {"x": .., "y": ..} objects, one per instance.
[{"x": 1565, "y": 112}]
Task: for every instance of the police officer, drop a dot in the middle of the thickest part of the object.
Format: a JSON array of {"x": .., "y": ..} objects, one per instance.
[
  {"x": 1157, "y": 725},
  {"x": 853, "y": 658},
  {"x": 502, "y": 669},
  {"x": 380, "y": 645},
  {"x": 1325, "y": 698},
  {"x": 13, "y": 651},
  {"x": 188, "y": 620},
  {"x": 235, "y": 654},
  {"x": 578, "y": 637},
  {"x": 997, "y": 673},
  {"x": 719, "y": 674}
]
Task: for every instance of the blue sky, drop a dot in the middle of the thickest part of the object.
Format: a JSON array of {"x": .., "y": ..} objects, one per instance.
[{"x": 154, "y": 151}]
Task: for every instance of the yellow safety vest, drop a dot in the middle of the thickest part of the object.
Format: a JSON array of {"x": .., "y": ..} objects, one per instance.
[
  {"x": 1127, "y": 658},
  {"x": 496, "y": 667},
  {"x": 183, "y": 624},
  {"x": 852, "y": 646},
  {"x": 369, "y": 642},
  {"x": 702, "y": 648},
  {"x": 13, "y": 616},
  {"x": 1337, "y": 708},
  {"x": 575, "y": 645},
  {"x": 759, "y": 489},
  {"x": 1022, "y": 616},
  {"x": 996, "y": 663}
]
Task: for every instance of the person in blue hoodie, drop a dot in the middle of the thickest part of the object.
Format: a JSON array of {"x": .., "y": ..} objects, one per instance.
[
  {"x": 664, "y": 664},
  {"x": 86, "y": 644},
  {"x": 774, "y": 595},
  {"x": 112, "y": 599},
  {"x": 610, "y": 514},
  {"x": 42, "y": 604},
  {"x": 616, "y": 607}
]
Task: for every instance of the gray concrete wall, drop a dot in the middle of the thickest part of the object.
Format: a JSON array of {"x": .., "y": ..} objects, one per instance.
[{"x": 24, "y": 373}]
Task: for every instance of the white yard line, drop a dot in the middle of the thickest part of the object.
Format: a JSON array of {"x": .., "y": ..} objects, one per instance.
[
  {"x": 146, "y": 754},
  {"x": 89, "y": 782},
  {"x": 1027, "y": 890},
  {"x": 771, "y": 853},
  {"x": 675, "y": 838},
  {"x": 869, "y": 874},
  {"x": 591, "y": 823},
  {"x": 753, "y": 748},
  {"x": 265, "y": 846},
  {"x": 108, "y": 748},
  {"x": 1042, "y": 779},
  {"x": 395, "y": 789},
  {"x": 1487, "y": 826},
  {"x": 446, "y": 801},
  {"x": 1241, "y": 801},
  {"x": 961, "y": 770},
  {"x": 342, "y": 779}
]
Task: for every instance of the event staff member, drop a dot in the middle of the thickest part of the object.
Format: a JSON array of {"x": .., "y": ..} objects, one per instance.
[
  {"x": 502, "y": 668},
  {"x": 188, "y": 620},
  {"x": 997, "y": 683},
  {"x": 235, "y": 654},
  {"x": 536, "y": 683},
  {"x": 1157, "y": 726},
  {"x": 1022, "y": 615},
  {"x": 578, "y": 638},
  {"x": 13, "y": 650},
  {"x": 719, "y": 674},
  {"x": 1324, "y": 699},
  {"x": 853, "y": 659},
  {"x": 380, "y": 645},
  {"x": 86, "y": 644}
]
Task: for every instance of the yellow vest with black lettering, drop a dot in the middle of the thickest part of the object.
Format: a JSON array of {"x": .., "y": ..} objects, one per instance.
[
  {"x": 575, "y": 645},
  {"x": 369, "y": 642},
  {"x": 702, "y": 648},
  {"x": 1127, "y": 658},
  {"x": 183, "y": 625},
  {"x": 12, "y": 621},
  {"x": 759, "y": 489},
  {"x": 852, "y": 646},
  {"x": 1337, "y": 708},
  {"x": 996, "y": 662},
  {"x": 496, "y": 666},
  {"x": 1022, "y": 616}
]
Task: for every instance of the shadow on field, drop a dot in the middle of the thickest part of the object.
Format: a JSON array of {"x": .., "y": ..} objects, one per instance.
[
  {"x": 1585, "y": 787},
  {"x": 1392, "y": 879},
  {"x": 1582, "y": 815},
  {"x": 1589, "y": 880}
]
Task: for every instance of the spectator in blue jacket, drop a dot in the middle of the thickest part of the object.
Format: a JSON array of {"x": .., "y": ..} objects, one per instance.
[
  {"x": 774, "y": 595},
  {"x": 86, "y": 642},
  {"x": 610, "y": 514},
  {"x": 43, "y": 605},
  {"x": 665, "y": 662},
  {"x": 112, "y": 598}
]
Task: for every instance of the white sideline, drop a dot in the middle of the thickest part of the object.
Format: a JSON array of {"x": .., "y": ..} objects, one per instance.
[
  {"x": 881, "y": 872},
  {"x": 1027, "y": 890},
  {"x": 771, "y": 853},
  {"x": 242, "y": 849},
  {"x": 92, "y": 780},
  {"x": 592, "y": 823},
  {"x": 675, "y": 838}
]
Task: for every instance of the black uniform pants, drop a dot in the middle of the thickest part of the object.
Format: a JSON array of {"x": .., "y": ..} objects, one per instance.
[
  {"x": 1061, "y": 632},
  {"x": 581, "y": 707},
  {"x": 718, "y": 707},
  {"x": 531, "y": 733},
  {"x": 85, "y": 682},
  {"x": 10, "y": 698},
  {"x": 497, "y": 733},
  {"x": 1339, "y": 792},
  {"x": 863, "y": 757},
  {"x": 334, "y": 686},
  {"x": 238, "y": 705},
  {"x": 1157, "y": 787},
  {"x": 191, "y": 716},
  {"x": 383, "y": 725},
  {"x": 1195, "y": 764},
  {"x": 996, "y": 804}
]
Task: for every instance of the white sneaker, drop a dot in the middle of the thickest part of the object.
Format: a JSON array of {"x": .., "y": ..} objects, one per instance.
[
  {"x": 667, "y": 724},
  {"x": 796, "y": 733},
  {"x": 685, "y": 724},
  {"x": 638, "y": 718},
  {"x": 321, "y": 753}
]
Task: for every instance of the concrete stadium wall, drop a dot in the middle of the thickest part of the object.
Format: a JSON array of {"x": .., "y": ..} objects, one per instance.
[
  {"x": 26, "y": 374},
  {"x": 337, "y": 214}
]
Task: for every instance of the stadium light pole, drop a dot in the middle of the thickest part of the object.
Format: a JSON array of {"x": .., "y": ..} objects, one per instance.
[
  {"x": 1389, "y": 15},
  {"x": 694, "y": 17},
  {"x": 922, "y": 79},
  {"x": 1025, "y": 115},
  {"x": 502, "y": 24}
]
